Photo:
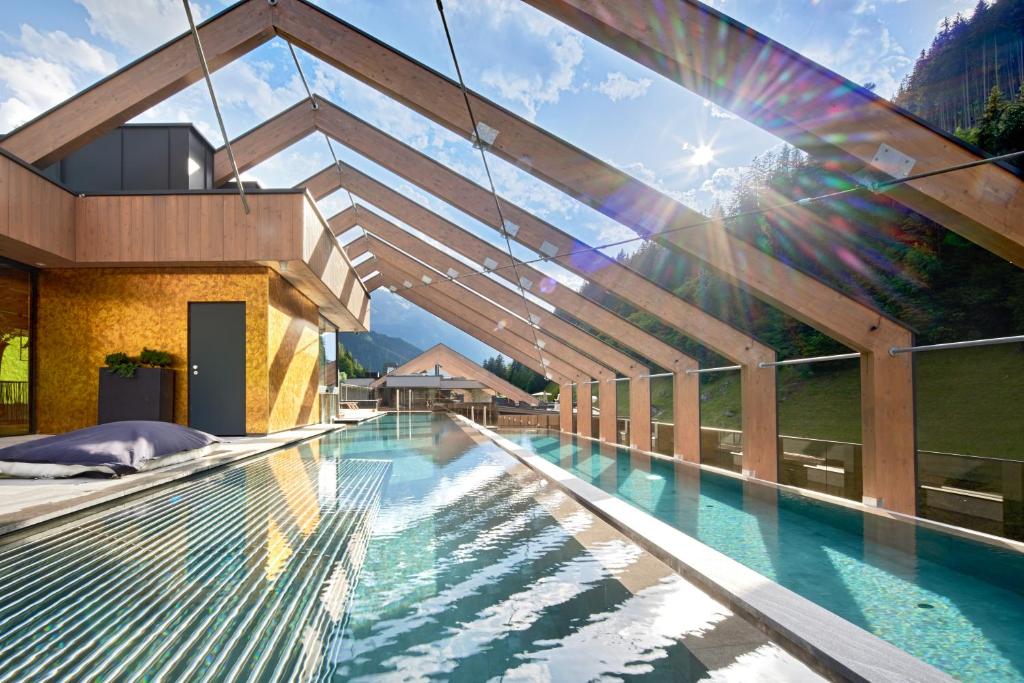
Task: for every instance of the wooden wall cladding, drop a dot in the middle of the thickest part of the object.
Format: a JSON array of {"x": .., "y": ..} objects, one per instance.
[
  {"x": 282, "y": 231},
  {"x": 37, "y": 217},
  {"x": 136, "y": 229}
]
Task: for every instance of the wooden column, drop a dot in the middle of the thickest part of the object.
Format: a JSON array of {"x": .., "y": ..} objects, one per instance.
[
  {"x": 686, "y": 416},
  {"x": 608, "y": 405},
  {"x": 584, "y": 409},
  {"x": 760, "y": 422},
  {"x": 565, "y": 408},
  {"x": 640, "y": 413},
  {"x": 889, "y": 462}
]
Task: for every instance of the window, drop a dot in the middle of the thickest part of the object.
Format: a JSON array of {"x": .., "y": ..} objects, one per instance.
[
  {"x": 328, "y": 354},
  {"x": 16, "y": 287}
]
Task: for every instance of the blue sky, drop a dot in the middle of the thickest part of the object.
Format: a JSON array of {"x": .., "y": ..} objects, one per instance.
[{"x": 565, "y": 82}]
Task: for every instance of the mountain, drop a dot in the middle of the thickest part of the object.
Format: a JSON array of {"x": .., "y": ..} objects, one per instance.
[
  {"x": 394, "y": 316},
  {"x": 374, "y": 350}
]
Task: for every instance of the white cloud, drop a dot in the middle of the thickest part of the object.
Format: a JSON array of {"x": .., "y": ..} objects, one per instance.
[
  {"x": 647, "y": 175},
  {"x": 45, "y": 69},
  {"x": 717, "y": 112},
  {"x": 867, "y": 53},
  {"x": 35, "y": 85},
  {"x": 533, "y": 90},
  {"x": 500, "y": 13},
  {"x": 617, "y": 86},
  {"x": 563, "y": 276},
  {"x": 523, "y": 189},
  {"x": 247, "y": 85},
  {"x": 140, "y": 25},
  {"x": 58, "y": 47},
  {"x": 716, "y": 189},
  {"x": 609, "y": 231}
]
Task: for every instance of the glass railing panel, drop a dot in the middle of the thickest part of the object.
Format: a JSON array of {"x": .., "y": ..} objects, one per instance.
[
  {"x": 622, "y": 412},
  {"x": 661, "y": 415},
  {"x": 819, "y": 424},
  {"x": 970, "y": 438},
  {"x": 721, "y": 441}
]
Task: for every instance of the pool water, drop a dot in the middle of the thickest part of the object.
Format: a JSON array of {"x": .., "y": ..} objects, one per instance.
[
  {"x": 953, "y": 602},
  {"x": 401, "y": 549},
  {"x": 479, "y": 570}
]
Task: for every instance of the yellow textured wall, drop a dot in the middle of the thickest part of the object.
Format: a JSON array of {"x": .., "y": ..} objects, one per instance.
[
  {"x": 293, "y": 356},
  {"x": 84, "y": 314}
]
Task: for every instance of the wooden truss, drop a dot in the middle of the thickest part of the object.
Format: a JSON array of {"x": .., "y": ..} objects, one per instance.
[{"x": 983, "y": 204}]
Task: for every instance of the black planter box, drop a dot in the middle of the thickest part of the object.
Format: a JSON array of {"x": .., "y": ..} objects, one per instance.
[{"x": 149, "y": 395}]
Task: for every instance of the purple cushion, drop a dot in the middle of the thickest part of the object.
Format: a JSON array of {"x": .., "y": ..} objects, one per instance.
[{"x": 125, "y": 447}]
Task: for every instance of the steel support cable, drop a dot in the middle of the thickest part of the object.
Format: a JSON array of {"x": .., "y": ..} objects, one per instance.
[
  {"x": 875, "y": 188},
  {"x": 216, "y": 107},
  {"x": 442, "y": 277},
  {"x": 490, "y": 181},
  {"x": 316, "y": 105}
]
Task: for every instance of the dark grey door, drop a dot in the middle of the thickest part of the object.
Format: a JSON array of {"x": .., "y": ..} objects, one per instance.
[{"x": 216, "y": 367}]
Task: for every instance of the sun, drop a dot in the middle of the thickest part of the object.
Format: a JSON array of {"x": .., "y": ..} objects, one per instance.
[{"x": 702, "y": 155}]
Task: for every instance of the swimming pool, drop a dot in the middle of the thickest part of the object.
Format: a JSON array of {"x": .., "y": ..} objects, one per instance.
[
  {"x": 955, "y": 603},
  {"x": 404, "y": 548}
]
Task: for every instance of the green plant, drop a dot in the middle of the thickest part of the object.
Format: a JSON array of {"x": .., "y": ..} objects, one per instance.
[
  {"x": 155, "y": 359},
  {"x": 121, "y": 364}
]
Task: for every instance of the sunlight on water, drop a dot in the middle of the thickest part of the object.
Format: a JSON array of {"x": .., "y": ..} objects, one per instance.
[
  {"x": 953, "y": 602},
  {"x": 397, "y": 550}
]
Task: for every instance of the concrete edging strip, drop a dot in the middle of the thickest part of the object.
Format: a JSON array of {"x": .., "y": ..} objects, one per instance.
[{"x": 830, "y": 643}]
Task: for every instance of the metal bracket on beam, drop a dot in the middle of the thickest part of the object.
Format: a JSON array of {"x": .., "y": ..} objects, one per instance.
[
  {"x": 548, "y": 249},
  {"x": 484, "y": 136},
  {"x": 893, "y": 162}
]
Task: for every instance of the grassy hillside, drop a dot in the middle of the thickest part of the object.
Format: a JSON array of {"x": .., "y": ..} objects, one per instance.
[{"x": 969, "y": 401}]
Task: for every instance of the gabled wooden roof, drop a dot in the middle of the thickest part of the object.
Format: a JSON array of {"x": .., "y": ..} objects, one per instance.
[{"x": 457, "y": 365}]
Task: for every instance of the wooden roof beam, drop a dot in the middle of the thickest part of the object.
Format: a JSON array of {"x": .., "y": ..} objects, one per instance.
[
  {"x": 533, "y": 233},
  {"x": 480, "y": 333},
  {"x": 373, "y": 282},
  {"x": 469, "y": 245},
  {"x": 381, "y": 229},
  {"x": 582, "y": 176},
  {"x": 981, "y": 203},
  {"x": 484, "y": 308},
  {"x": 809, "y": 106},
  {"x": 140, "y": 85},
  {"x": 686, "y": 395},
  {"x": 439, "y": 354}
]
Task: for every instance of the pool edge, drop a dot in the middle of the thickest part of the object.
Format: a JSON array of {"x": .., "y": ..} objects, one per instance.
[
  {"x": 944, "y": 527},
  {"x": 56, "y": 513},
  {"x": 828, "y": 643}
]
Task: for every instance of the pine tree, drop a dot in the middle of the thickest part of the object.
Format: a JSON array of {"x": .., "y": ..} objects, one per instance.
[
  {"x": 1011, "y": 125},
  {"x": 987, "y": 136}
]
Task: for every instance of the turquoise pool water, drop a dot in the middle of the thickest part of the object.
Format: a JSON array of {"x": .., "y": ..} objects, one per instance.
[
  {"x": 402, "y": 549},
  {"x": 955, "y": 603}
]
